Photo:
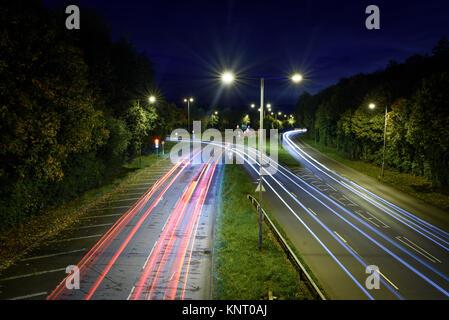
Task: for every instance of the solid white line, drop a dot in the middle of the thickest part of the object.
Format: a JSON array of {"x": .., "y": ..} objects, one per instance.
[
  {"x": 30, "y": 296},
  {"x": 32, "y": 274},
  {"x": 418, "y": 249},
  {"x": 53, "y": 255}
]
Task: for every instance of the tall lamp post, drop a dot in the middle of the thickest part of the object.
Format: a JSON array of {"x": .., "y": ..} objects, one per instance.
[
  {"x": 188, "y": 100},
  {"x": 228, "y": 77},
  {"x": 372, "y": 106},
  {"x": 151, "y": 99}
]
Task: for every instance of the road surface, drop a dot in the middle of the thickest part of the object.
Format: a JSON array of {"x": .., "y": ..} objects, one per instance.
[
  {"x": 341, "y": 229},
  {"x": 156, "y": 243}
]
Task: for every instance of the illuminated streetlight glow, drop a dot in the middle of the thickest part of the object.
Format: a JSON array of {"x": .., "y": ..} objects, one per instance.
[
  {"x": 372, "y": 105},
  {"x": 188, "y": 100},
  {"x": 296, "y": 77},
  {"x": 152, "y": 99},
  {"x": 227, "y": 77}
]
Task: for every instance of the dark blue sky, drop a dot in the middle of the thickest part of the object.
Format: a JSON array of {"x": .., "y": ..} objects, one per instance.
[{"x": 191, "y": 41}]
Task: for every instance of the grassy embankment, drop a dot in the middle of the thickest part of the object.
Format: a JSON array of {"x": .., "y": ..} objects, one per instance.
[
  {"x": 417, "y": 186},
  {"x": 241, "y": 270},
  {"x": 16, "y": 241}
]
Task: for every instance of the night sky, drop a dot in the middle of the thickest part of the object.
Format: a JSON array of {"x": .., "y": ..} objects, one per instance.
[{"x": 192, "y": 41}]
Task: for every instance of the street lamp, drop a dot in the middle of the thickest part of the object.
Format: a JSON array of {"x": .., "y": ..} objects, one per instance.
[
  {"x": 227, "y": 78},
  {"x": 296, "y": 78},
  {"x": 188, "y": 100},
  {"x": 372, "y": 106},
  {"x": 151, "y": 99}
]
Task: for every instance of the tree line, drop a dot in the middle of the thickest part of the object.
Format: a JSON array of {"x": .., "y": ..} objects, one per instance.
[
  {"x": 73, "y": 107},
  {"x": 416, "y": 96}
]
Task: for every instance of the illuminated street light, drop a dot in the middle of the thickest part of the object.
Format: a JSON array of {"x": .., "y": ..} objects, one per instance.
[
  {"x": 296, "y": 77},
  {"x": 216, "y": 112},
  {"x": 372, "y": 106},
  {"x": 227, "y": 77},
  {"x": 188, "y": 100},
  {"x": 253, "y": 105},
  {"x": 152, "y": 99}
]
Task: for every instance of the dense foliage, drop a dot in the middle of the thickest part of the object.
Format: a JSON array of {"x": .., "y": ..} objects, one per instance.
[
  {"x": 417, "y": 99},
  {"x": 73, "y": 107}
]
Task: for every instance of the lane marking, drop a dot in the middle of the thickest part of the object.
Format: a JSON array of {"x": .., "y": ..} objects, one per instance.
[
  {"x": 418, "y": 249},
  {"x": 131, "y": 194},
  {"x": 388, "y": 280},
  {"x": 341, "y": 238},
  {"x": 78, "y": 238},
  {"x": 92, "y": 226},
  {"x": 312, "y": 211},
  {"x": 130, "y": 199},
  {"x": 29, "y": 296},
  {"x": 347, "y": 244},
  {"x": 32, "y": 274},
  {"x": 337, "y": 200},
  {"x": 53, "y": 255},
  {"x": 109, "y": 208},
  {"x": 102, "y": 216}
]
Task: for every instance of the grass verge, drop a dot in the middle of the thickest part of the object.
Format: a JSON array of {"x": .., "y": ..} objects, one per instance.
[
  {"x": 416, "y": 186},
  {"x": 241, "y": 270},
  {"x": 18, "y": 240},
  {"x": 284, "y": 157}
]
